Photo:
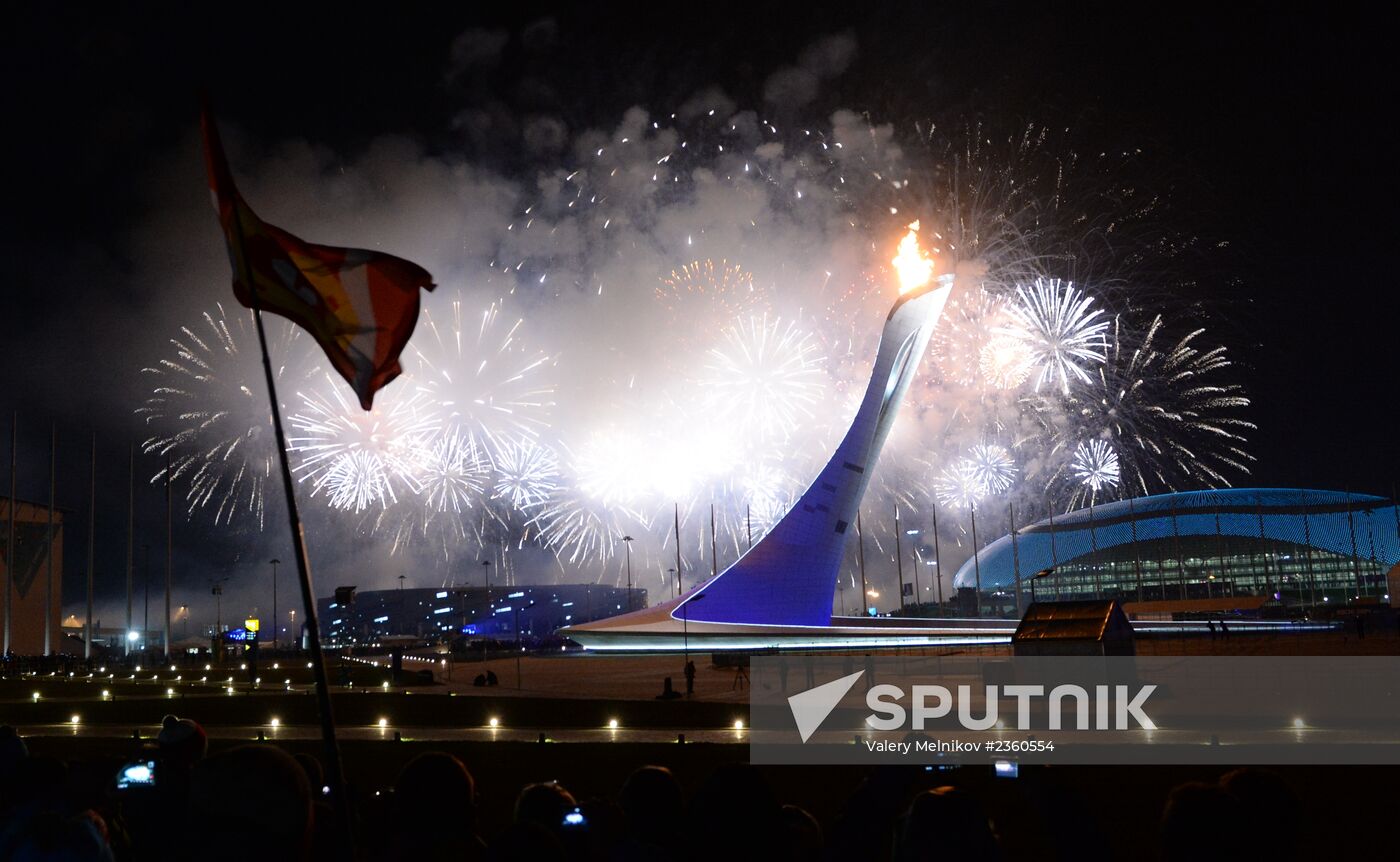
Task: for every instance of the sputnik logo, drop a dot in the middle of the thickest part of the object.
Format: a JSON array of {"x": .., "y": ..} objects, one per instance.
[{"x": 811, "y": 707}]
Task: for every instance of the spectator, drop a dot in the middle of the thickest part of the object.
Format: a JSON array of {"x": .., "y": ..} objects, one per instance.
[
  {"x": 653, "y": 807},
  {"x": 252, "y": 796},
  {"x": 945, "y": 823},
  {"x": 1202, "y": 822},
  {"x": 734, "y": 815},
  {"x": 434, "y": 810},
  {"x": 1269, "y": 811}
]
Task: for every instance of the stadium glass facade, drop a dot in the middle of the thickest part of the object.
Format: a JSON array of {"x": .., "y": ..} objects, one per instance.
[
  {"x": 1297, "y": 547},
  {"x": 447, "y": 613}
]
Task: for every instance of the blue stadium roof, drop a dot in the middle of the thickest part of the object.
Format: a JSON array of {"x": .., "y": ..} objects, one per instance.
[{"x": 1332, "y": 521}]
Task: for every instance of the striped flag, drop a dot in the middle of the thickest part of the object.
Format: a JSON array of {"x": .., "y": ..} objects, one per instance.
[{"x": 360, "y": 306}]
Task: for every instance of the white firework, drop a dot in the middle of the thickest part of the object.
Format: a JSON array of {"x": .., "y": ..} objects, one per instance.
[
  {"x": 526, "y": 473},
  {"x": 968, "y": 346},
  {"x": 766, "y": 374},
  {"x": 1060, "y": 331},
  {"x": 208, "y": 411},
  {"x": 476, "y": 369},
  {"x": 1004, "y": 362},
  {"x": 356, "y": 458},
  {"x": 957, "y": 485},
  {"x": 1095, "y": 465},
  {"x": 992, "y": 467},
  {"x": 452, "y": 471}
]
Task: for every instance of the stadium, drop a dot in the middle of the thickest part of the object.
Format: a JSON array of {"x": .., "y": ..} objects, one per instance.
[{"x": 1280, "y": 546}]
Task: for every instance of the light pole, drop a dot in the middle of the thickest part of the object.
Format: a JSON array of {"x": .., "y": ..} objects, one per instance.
[
  {"x": 218, "y": 592},
  {"x": 670, "y": 575},
  {"x": 918, "y": 558},
  {"x": 519, "y": 644},
  {"x": 685, "y": 625},
  {"x": 275, "y": 563},
  {"x": 1037, "y": 576},
  {"x": 628, "y": 541},
  {"x": 486, "y": 576}
]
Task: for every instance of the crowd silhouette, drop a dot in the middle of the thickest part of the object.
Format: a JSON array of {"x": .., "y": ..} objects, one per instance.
[{"x": 255, "y": 800}]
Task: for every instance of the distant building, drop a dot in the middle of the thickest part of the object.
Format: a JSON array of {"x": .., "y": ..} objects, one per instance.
[
  {"x": 31, "y": 570},
  {"x": 470, "y": 611},
  {"x": 1292, "y": 546}
]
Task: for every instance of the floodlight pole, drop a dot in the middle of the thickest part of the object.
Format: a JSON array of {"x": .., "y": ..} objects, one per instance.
[
  {"x": 92, "y": 538},
  {"x": 627, "y": 540},
  {"x": 275, "y": 563},
  {"x": 899, "y": 559},
  {"x": 130, "y": 537}
]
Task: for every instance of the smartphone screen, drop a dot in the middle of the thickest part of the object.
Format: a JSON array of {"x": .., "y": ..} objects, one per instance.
[{"x": 137, "y": 775}]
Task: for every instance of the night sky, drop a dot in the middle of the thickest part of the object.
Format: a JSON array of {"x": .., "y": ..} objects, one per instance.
[{"x": 1271, "y": 130}]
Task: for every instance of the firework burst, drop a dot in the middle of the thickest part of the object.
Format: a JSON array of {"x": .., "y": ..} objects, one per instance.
[
  {"x": 1169, "y": 409},
  {"x": 1095, "y": 467},
  {"x": 993, "y": 468},
  {"x": 766, "y": 375},
  {"x": 356, "y": 458},
  {"x": 957, "y": 485},
  {"x": 476, "y": 370},
  {"x": 711, "y": 289},
  {"x": 526, "y": 473},
  {"x": 208, "y": 411},
  {"x": 1060, "y": 330}
]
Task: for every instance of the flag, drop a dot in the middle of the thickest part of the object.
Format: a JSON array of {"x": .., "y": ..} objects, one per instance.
[{"x": 360, "y": 306}]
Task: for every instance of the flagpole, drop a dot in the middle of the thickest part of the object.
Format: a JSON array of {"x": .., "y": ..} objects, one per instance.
[
  {"x": 679, "y": 582},
  {"x": 10, "y": 540},
  {"x": 714, "y": 554},
  {"x": 334, "y": 770},
  {"x": 48, "y": 588},
  {"x": 92, "y": 538},
  {"x": 169, "y": 545},
  {"x": 130, "y": 534}
]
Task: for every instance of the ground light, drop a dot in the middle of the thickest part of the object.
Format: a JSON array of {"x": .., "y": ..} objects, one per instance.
[
  {"x": 36, "y": 697},
  {"x": 612, "y": 724},
  {"x": 74, "y": 719},
  {"x": 383, "y": 722},
  {"x": 170, "y": 692},
  {"x": 494, "y": 722},
  {"x": 106, "y": 693},
  {"x": 275, "y": 722},
  {"x": 738, "y": 724},
  {"x": 1298, "y": 722}
]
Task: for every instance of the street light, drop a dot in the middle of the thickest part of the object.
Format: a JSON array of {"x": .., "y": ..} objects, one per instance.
[
  {"x": 628, "y": 541},
  {"x": 275, "y": 563},
  {"x": 519, "y": 643}
]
